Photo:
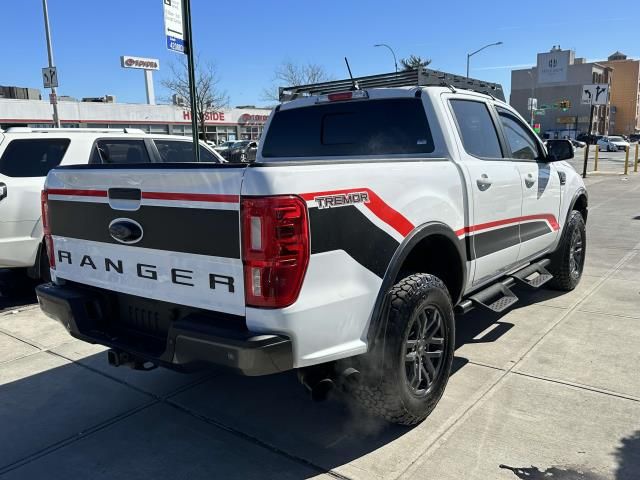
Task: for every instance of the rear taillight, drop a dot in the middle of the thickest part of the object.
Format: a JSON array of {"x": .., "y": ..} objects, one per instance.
[
  {"x": 275, "y": 249},
  {"x": 46, "y": 228}
]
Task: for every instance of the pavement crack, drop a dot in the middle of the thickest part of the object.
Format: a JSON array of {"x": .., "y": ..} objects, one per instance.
[
  {"x": 74, "y": 438},
  {"x": 579, "y": 386}
]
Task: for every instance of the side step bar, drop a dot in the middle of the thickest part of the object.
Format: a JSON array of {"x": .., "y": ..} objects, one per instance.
[
  {"x": 498, "y": 297},
  {"x": 533, "y": 276}
]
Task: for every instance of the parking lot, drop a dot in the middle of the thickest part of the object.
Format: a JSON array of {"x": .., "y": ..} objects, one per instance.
[
  {"x": 608, "y": 162},
  {"x": 548, "y": 390}
]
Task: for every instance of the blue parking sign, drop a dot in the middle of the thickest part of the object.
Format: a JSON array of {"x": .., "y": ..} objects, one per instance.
[{"x": 175, "y": 44}]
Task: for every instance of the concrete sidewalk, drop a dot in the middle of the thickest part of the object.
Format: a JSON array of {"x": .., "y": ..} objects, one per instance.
[{"x": 549, "y": 390}]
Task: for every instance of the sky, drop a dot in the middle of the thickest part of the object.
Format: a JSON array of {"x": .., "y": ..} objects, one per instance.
[{"x": 247, "y": 40}]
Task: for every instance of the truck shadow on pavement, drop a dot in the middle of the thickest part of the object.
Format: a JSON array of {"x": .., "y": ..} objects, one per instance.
[{"x": 15, "y": 290}]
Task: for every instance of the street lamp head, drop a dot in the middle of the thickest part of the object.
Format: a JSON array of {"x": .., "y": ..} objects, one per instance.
[{"x": 498, "y": 43}]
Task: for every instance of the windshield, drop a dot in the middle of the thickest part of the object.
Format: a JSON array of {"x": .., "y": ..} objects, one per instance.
[
  {"x": 350, "y": 128},
  {"x": 616, "y": 139},
  {"x": 240, "y": 144},
  {"x": 227, "y": 144}
]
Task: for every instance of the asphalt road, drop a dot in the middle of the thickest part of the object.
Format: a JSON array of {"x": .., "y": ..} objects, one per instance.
[{"x": 548, "y": 390}]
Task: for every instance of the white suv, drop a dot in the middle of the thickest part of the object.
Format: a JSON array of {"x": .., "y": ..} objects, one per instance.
[{"x": 27, "y": 155}]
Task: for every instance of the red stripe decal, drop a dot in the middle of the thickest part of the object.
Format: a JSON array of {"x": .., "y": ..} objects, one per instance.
[
  {"x": 192, "y": 197},
  {"x": 498, "y": 223},
  {"x": 77, "y": 193},
  {"x": 380, "y": 209}
]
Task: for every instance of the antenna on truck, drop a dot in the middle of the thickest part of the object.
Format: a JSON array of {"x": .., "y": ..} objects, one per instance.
[{"x": 354, "y": 84}]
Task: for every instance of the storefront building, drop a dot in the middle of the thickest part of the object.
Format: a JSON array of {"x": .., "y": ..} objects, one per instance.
[{"x": 221, "y": 126}]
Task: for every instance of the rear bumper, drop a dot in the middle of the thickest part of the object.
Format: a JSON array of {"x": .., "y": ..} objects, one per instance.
[{"x": 190, "y": 342}]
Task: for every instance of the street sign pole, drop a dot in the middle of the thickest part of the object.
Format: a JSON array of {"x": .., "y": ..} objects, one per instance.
[
  {"x": 586, "y": 150},
  {"x": 186, "y": 14},
  {"x": 54, "y": 96}
]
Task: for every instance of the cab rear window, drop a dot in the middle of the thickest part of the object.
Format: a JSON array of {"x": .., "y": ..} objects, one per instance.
[
  {"x": 367, "y": 127},
  {"x": 31, "y": 157}
]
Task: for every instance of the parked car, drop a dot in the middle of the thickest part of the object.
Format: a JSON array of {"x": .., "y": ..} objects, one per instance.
[
  {"x": 341, "y": 253},
  {"x": 242, "y": 151},
  {"x": 578, "y": 144},
  {"x": 223, "y": 147},
  {"x": 634, "y": 137},
  {"x": 612, "y": 144},
  {"x": 27, "y": 155}
]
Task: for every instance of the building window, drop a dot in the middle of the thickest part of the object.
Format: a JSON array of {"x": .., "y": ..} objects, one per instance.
[
  {"x": 221, "y": 134},
  {"x": 252, "y": 132},
  {"x": 164, "y": 129}
]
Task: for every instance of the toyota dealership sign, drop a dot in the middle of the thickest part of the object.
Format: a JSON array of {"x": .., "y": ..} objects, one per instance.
[{"x": 140, "y": 63}]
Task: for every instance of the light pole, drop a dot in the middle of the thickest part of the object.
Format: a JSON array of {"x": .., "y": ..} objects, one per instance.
[
  {"x": 395, "y": 62},
  {"x": 532, "y": 96},
  {"x": 469, "y": 55},
  {"x": 54, "y": 100}
]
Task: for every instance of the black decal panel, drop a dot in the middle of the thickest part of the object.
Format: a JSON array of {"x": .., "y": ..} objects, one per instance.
[
  {"x": 493, "y": 241},
  {"x": 348, "y": 229},
  {"x": 188, "y": 230},
  {"x": 531, "y": 230}
]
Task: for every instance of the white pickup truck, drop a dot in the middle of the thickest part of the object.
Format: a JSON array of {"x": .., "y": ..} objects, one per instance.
[{"x": 368, "y": 217}]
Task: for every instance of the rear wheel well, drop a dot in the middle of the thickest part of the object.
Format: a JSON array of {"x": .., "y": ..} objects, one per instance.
[
  {"x": 436, "y": 255},
  {"x": 581, "y": 206}
]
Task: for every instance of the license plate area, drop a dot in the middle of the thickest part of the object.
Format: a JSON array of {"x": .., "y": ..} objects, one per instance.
[
  {"x": 144, "y": 323},
  {"x": 145, "y": 316}
]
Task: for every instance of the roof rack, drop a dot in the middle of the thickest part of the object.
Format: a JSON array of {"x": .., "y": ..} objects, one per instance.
[
  {"x": 411, "y": 78},
  {"x": 70, "y": 129}
]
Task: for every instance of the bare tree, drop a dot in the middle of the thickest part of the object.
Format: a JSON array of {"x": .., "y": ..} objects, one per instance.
[
  {"x": 288, "y": 74},
  {"x": 209, "y": 97},
  {"x": 413, "y": 62}
]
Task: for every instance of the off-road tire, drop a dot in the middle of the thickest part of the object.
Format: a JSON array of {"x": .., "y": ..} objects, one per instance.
[
  {"x": 384, "y": 388},
  {"x": 564, "y": 276}
]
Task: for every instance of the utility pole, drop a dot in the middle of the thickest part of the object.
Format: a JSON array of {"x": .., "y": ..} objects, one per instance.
[
  {"x": 586, "y": 150},
  {"x": 533, "y": 115},
  {"x": 54, "y": 99},
  {"x": 186, "y": 13}
]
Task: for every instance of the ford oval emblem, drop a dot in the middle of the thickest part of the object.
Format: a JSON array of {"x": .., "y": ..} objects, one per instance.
[{"x": 125, "y": 230}]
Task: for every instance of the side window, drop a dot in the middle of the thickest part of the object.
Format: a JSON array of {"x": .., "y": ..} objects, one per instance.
[
  {"x": 32, "y": 158},
  {"x": 120, "y": 151},
  {"x": 520, "y": 140},
  {"x": 477, "y": 130},
  {"x": 172, "y": 151},
  {"x": 207, "y": 156}
]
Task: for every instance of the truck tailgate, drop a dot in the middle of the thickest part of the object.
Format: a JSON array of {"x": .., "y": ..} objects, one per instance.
[{"x": 168, "y": 232}]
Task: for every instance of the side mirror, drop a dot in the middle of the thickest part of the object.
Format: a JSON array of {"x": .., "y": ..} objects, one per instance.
[{"x": 558, "y": 150}]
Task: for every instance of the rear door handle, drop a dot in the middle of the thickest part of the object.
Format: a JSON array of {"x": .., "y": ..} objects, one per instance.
[
  {"x": 483, "y": 182},
  {"x": 529, "y": 180},
  {"x": 3, "y": 191}
]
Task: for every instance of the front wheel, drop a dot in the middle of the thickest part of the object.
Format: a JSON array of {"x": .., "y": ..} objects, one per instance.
[
  {"x": 567, "y": 263},
  {"x": 405, "y": 375}
]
